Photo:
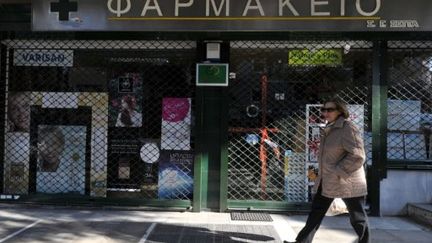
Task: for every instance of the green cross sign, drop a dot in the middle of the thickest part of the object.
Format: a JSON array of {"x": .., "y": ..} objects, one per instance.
[
  {"x": 63, "y": 7},
  {"x": 212, "y": 74}
]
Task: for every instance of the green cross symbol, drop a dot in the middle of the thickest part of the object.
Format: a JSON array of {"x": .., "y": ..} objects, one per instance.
[{"x": 64, "y": 7}]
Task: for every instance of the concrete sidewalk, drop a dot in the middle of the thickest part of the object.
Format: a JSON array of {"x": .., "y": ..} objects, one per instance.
[
  {"x": 383, "y": 229},
  {"x": 53, "y": 224}
]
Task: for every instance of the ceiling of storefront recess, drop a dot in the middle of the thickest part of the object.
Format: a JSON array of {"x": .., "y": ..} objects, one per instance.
[{"x": 15, "y": 15}]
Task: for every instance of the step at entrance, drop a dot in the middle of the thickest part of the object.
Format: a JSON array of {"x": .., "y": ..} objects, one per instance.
[{"x": 421, "y": 212}]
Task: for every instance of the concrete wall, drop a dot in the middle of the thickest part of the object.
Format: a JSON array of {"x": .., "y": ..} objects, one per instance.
[{"x": 402, "y": 187}]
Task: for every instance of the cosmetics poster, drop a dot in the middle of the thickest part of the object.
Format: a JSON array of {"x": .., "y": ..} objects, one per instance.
[
  {"x": 125, "y": 105},
  {"x": 18, "y": 112},
  {"x": 99, "y": 141},
  {"x": 176, "y": 175},
  {"x": 150, "y": 155},
  {"x": 61, "y": 159},
  {"x": 16, "y": 163},
  {"x": 124, "y": 165},
  {"x": 176, "y": 124}
]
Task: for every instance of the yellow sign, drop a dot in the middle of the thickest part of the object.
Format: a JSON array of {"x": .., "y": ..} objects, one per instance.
[{"x": 331, "y": 57}]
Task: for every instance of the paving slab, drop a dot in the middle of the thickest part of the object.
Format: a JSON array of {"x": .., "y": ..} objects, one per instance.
[
  {"x": 83, "y": 231},
  {"x": 383, "y": 229}
]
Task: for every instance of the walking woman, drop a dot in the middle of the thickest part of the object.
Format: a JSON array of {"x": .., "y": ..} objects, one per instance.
[{"x": 341, "y": 174}]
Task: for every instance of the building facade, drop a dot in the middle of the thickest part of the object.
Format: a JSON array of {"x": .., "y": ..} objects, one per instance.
[{"x": 109, "y": 101}]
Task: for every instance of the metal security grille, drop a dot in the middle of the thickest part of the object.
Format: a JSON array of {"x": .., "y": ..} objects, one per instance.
[
  {"x": 409, "y": 101},
  {"x": 274, "y": 111},
  {"x": 99, "y": 118}
]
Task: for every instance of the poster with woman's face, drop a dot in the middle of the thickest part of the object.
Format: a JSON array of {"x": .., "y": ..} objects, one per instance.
[
  {"x": 125, "y": 107},
  {"x": 18, "y": 112},
  {"x": 61, "y": 159}
]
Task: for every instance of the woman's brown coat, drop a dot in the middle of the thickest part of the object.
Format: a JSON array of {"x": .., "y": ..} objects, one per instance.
[{"x": 341, "y": 157}]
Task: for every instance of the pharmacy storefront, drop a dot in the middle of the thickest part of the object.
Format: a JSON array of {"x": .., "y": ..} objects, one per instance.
[{"x": 212, "y": 104}]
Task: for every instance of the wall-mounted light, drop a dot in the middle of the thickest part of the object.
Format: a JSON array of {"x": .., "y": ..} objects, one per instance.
[{"x": 213, "y": 50}]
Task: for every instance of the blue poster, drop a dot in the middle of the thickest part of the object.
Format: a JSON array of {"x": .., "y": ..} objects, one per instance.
[{"x": 175, "y": 175}]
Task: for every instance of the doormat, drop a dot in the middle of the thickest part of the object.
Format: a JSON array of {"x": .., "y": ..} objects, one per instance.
[{"x": 251, "y": 216}]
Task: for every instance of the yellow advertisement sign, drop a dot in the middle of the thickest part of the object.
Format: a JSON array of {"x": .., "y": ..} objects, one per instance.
[{"x": 331, "y": 57}]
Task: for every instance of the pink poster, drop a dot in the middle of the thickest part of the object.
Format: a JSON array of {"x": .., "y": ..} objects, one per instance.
[{"x": 176, "y": 123}]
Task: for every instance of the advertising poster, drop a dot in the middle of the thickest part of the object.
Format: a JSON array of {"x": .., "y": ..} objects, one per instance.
[
  {"x": 18, "y": 112},
  {"x": 313, "y": 143},
  {"x": 395, "y": 145},
  {"x": 99, "y": 141},
  {"x": 368, "y": 147},
  {"x": 123, "y": 163},
  {"x": 124, "y": 168},
  {"x": 176, "y": 124},
  {"x": 404, "y": 115},
  {"x": 16, "y": 162},
  {"x": 415, "y": 147},
  {"x": 357, "y": 116},
  {"x": 175, "y": 175},
  {"x": 124, "y": 146},
  {"x": 125, "y": 106},
  {"x": 294, "y": 188},
  {"x": 60, "y": 100},
  {"x": 150, "y": 154},
  {"x": 99, "y": 156},
  {"x": 61, "y": 159}
]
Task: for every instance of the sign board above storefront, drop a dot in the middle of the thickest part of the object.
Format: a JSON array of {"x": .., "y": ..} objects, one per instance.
[
  {"x": 232, "y": 15},
  {"x": 318, "y": 57},
  {"x": 214, "y": 74},
  {"x": 41, "y": 57}
]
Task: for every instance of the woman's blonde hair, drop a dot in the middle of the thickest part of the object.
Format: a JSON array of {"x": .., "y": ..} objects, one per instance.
[{"x": 340, "y": 106}]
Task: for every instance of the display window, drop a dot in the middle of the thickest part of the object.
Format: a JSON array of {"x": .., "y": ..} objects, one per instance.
[
  {"x": 100, "y": 118},
  {"x": 275, "y": 122}
]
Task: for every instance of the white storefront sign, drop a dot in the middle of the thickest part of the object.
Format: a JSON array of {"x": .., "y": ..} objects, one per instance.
[{"x": 45, "y": 58}]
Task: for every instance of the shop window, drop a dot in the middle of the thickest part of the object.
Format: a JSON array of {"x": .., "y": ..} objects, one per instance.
[
  {"x": 274, "y": 118},
  {"x": 115, "y": 116},
  {"x": 410, "y": 103}
]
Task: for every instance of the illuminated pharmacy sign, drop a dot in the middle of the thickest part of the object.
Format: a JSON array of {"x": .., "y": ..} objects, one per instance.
[{"x": 231, "y": 15}]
